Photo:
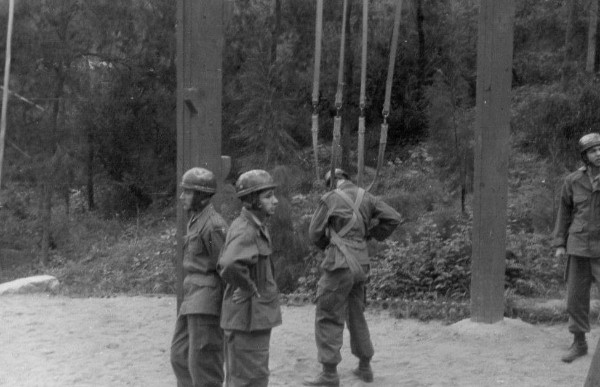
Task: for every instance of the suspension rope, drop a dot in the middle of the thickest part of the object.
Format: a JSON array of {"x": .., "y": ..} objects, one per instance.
[
  {"x": 337, "y": 121},
  {"x": 316, "y": 79},
  {"x": 388, "y": 92},
  {"x": 362, "y": 99}
]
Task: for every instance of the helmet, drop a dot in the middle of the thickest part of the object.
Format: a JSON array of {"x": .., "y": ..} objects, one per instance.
[
  {"x": 588, "y": 141},
  {"x": 339, "y": 174},
  {"x": 199, "y": 179},
  {"x": 253, "y": 181}
]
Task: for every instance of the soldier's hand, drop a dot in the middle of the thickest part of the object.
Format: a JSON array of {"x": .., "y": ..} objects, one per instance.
[
  {"x": 560, "y": 253},
  {"x": 240, "y": 296}
]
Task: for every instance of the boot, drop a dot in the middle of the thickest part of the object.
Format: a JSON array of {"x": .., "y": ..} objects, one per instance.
[
  {"x": 364, "y": 371},
  {"x": 578, "y": 348},
  {"x": 327, "y": 377}
]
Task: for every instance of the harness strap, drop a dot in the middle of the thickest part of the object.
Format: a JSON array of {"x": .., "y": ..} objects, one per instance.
[
  {"x": 356, "y": 216},
  {"x": 362, "y": 99},
  {"x": 337, "y": 122},
  {"x": 316, "y": 78},
  {"x": 392, "y": 62},
  {"x": 388, "y": 92}
]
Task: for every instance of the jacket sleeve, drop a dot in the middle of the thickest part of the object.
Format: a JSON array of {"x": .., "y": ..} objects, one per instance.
[
  {"x": 387, "y": 219},
  {"x": 240, "y": 251},
  {"x": 564, "y": 216},
  {"x": 318, "y": 226}
]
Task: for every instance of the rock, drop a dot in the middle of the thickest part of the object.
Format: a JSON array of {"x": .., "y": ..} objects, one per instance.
[{"x": 35, "y": 284}]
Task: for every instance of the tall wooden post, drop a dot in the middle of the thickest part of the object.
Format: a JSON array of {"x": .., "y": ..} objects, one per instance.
[
  {"x": 593, "y": 376},
  {"x": 200, "y": 37},
  {"x": 494, "y": 76}
]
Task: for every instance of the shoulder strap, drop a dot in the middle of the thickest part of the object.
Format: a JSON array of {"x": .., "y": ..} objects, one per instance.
[{"x": 356, "y": 216}]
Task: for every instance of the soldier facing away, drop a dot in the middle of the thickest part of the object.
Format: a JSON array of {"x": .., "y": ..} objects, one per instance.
[
  {"x": 197, "y": 348},
  {"x": 577, "y": 237},
  {"x": 251, "y": 301},
  {"x": 341, "y": 227}
]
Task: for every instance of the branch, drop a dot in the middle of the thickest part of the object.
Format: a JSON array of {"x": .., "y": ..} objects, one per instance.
[{"x": 28, "y": 101}]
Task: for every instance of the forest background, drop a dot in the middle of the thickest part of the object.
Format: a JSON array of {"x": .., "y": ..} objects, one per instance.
[{"x": 89, "y": 179}]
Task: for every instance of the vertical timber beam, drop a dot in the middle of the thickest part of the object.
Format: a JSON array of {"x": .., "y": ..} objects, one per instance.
[
  {"x": 494, "y": 76},
  {"x": 200, "y": 37},
  {"x": 593, "y": 376}
]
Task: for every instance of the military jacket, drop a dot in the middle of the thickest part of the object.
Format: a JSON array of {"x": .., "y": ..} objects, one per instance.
[
  {"x": 251, "y": 300},
  {"x": 577, "y": 225},
  {"x": 333, "y": 213},
  {"x": 202, "y": 286}
]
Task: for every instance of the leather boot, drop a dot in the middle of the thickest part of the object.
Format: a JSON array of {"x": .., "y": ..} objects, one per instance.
[
  {"x": 578, "y": 348},
  {"x": 327, "y": 377},
  {"x": 364, "y": 371}
]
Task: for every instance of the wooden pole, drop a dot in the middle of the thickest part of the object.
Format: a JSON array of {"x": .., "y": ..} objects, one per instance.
[
  {"x": 11, "y": 11},
  {"x": 593, "y": 376},
  {"x": 494, "y": 76},
  {"x": 200, "y": 40}
]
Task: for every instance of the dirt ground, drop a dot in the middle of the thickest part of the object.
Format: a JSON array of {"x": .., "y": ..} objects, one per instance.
[{"x": 50, "y": 341}]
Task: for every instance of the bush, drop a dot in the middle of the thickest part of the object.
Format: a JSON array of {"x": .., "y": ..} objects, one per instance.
[{"x": 427, "y": 266}]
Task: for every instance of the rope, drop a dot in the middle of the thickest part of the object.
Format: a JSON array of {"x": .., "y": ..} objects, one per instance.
[
  {"x": 388, "y": 93},
  {"x": 315, "y": 93}
]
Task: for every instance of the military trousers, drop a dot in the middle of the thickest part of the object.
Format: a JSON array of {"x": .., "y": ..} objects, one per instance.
[
  {"x": 581, "y": 272},
  {"x": 247, "y": 356},
  {"x": 340, "y": 299},
  {"x": 197, "y": 354}
]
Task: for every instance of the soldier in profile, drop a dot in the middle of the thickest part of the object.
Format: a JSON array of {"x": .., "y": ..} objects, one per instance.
[{"x": 197, "y": 348}]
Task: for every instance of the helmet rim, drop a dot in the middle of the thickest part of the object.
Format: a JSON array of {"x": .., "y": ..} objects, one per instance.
[
  {"x": 206, "y": 180},
  {"x": 256, "y": 186}
]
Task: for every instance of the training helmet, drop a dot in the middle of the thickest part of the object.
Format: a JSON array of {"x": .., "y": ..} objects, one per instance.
[
  {"x": 255, "y": 180},
  {"x": 199, "y": 179},
  {"x": 339, "y": 174},
  {"x": 587, "y": 142}
]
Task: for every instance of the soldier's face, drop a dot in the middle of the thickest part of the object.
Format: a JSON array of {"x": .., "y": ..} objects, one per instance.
[
  {"x": 267, "y": 202},
  {"x": 187, "y": 199},
  {"x": 593, "y": 156}
]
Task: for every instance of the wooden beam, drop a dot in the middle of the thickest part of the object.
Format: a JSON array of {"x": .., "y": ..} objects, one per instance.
[
  {"x": 494, "y": 76},
  {"x": 593, "y": 376},
  {"x": 200, "y": 40}
]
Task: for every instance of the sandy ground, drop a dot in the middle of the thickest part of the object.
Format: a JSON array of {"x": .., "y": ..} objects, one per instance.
[{"x": 50, "y": 341}]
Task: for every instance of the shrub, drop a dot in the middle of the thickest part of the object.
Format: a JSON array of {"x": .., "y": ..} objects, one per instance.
[{"x": 427, "y": 266}]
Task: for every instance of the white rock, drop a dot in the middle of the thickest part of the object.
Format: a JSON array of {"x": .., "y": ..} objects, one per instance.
[{"x": 35, "y": 284}]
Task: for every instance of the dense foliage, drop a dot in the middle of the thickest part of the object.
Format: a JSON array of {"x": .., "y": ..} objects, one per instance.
[{"x": 96, "y": 131}]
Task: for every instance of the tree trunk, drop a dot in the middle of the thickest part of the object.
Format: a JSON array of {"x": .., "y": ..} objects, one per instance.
[
  {"x": 89, "y": 163},
  {"x": 48, "y": 178},
  {"x": 590, "y": 64},
  {"x": 275, "y": 30},
  {"x": 568, "y": 47},
  {"x": 422, "y": 60},
  {"x": 46, "y": 219}
]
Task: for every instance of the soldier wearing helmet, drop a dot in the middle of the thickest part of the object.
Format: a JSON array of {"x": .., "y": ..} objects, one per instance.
[
  {"x": 197, "y": 348},
  {"x": 251, "y": 301},
  {"x": 341, "y": 225},
  {"x": 577, "y": 237}
]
